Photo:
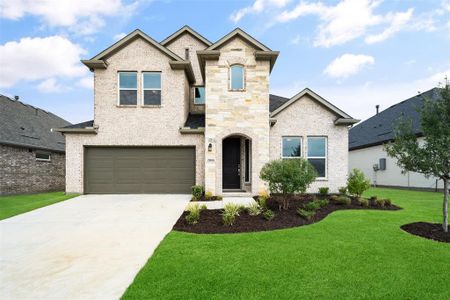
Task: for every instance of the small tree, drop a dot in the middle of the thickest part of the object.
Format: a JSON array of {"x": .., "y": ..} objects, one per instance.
[
  {"x": 357, "y": 183},
  {"x": 433, "y": 157},
  {"x": 288, "y": 176}
]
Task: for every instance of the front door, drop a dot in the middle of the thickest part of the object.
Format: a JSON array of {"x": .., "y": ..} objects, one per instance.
[{"x": 231, "y": 155}]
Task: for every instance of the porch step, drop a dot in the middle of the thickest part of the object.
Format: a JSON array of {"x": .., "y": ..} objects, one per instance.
[{"x": 237, "y": 194}]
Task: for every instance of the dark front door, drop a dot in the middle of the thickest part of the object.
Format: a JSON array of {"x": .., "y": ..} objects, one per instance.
[{"x": 231, "y": 153}]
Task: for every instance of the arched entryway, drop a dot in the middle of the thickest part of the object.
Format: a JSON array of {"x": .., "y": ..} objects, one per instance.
[{"x": 236, "y": 163}]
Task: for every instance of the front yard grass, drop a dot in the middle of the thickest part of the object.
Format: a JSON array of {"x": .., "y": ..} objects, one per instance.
[
  {"x": 349, "y": 254},
  {"x": 19, "y": 204}
]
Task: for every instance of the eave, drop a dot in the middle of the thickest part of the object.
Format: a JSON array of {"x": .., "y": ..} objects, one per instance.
[
  {"x": 186, "y": 66},
  {"x": 267, "y": 55},
  {"x": 88, "y": 130},
  {"x": 203, "y": 56},
  {"x": 346, "y": 121},
  {"x": 95, "y": 64}
]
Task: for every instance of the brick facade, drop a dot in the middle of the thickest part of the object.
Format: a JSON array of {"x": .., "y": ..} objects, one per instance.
[{"x": 21, "y": 173}]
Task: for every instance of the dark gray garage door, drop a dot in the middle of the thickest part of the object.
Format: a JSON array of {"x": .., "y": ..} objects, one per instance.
[{"x": 139, "y": 170}]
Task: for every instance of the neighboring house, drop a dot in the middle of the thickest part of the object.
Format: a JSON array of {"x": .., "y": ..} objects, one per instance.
[
  {"x": 31, "y": 155},
  {"x": 187, "y": 111},
  {"x": 367, "y": 139}
]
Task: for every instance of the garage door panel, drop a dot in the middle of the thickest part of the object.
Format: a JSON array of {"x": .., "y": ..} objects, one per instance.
[{"x": 139, "y": 170}]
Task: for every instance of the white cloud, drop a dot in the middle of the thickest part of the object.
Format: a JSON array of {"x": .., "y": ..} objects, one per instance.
[
  {"x": 446, "y": 5},
  {"x": 81, "y": 16},
  {"x": 398, "y": 22},
  {"x": 49, "y": 86},
  {"x": 86, "y": 82},
  {"x": 39, "y": 59},
  {"x": 347, "y": 65},
  {"x": 257, "y": 7},
  {"x": 119, "y": 36}
]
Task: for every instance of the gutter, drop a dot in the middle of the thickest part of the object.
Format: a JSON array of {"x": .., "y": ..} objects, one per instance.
[
  {"x": 346, "y": 121},
  {"x": 87, "y": 130}
]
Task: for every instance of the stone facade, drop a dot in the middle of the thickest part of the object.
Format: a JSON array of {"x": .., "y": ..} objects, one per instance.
[
  {"x": 243, "y": 113},
  {"x": 135, "y": 125},
  {"x": 21, "y": 173},
  {"x": 306, "y": 118}
]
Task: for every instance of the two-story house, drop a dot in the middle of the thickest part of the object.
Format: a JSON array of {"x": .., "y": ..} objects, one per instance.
[{"x": 187, "y": 111}]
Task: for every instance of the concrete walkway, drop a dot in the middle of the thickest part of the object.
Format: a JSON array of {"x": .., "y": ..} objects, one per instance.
[{"x": 88, "y": 247}]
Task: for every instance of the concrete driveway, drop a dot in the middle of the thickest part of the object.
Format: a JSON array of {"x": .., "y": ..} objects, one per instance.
[{"x": 88, "y": 247}]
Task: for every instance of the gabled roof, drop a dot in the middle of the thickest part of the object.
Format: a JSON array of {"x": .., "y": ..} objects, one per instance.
[
  {"x": 379, "y": 128},
  {"x": 28, "y": 126},
  {"x": 343, "y": 118},
  {"x": 276, "y": 101},
  {"x": 239, "y": 32},
  {"x": 182, "y": 30}
]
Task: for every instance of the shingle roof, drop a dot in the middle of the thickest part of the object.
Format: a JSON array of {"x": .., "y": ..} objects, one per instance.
[
  {"x": 195, "y": 121},
  {"x": 379, "y": 128},
  {"x": 25, "y": 125},
  {"x": 276, "y": 101},
  {"x": 81, "y": 125}
]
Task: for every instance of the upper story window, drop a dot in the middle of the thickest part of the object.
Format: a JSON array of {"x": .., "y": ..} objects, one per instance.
[
  {"x": 292, "y": 147},
  {"x": 151, "y": 88},
  {"x": 127, "y": 88},
  {"x": 236, "y": 77},
  {"x": 317, "y": 154},
  {"x": 42, "y": 156},
  {"x": 186, "y": 53},
  {"x": 199, "y": 95}
]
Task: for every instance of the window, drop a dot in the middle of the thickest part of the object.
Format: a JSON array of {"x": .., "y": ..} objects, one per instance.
[
  {"x": 199, "y": 95},
  {"x": 151, "y": 88},
  {"x": 317, "y": 154},
  {"x": 42, "y": 156},
  {"x": 236, "y": 77},
  {"x": 127, "y": 88},
  {"x": 186, "y": 53},
  {"x": 291, "y": 147},
  {"x": 247, "y": 160}
]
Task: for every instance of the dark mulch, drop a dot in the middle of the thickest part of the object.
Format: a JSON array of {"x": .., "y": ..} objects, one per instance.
[
  {"x": 213, "y": 198},
  {"x": 430, "y": 231},
  {"x": 211, "y": 220}
]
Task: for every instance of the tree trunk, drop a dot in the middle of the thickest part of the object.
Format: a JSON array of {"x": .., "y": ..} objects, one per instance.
[{"x": 445, "y": 208}]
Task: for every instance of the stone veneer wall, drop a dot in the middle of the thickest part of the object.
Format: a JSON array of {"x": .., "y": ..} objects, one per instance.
[
  {"x": 21, "y": 173},
  {"x": 243, "y": 113},
  {"x": 307, "y": 117},
  {"x": 135, "y": 126}
]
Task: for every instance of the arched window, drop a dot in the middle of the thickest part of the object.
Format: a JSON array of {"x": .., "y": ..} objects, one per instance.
[{"x": 236, "y": 77}]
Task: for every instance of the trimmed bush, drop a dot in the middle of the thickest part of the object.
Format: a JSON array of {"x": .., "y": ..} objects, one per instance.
[
  {"x": 323, "y": 202},
  {"x": 380, "y": 202},
  {"x": 254, "y": 209},
  {"x": 194, "y": 213},
  {"x": 343, "y": 200},
  {"x": 388, "y": 202},
  {"x": 262, "y": 201},
  {"x": 323, "y": 191},
  {"x": 357, "y": 183},
  {"x": 313, "y": 205},
  {"x": 288, "y": 176},
  {"x": 343, "y": 190},
  {"x": 363, "y": 202},
  {"x": 306, "y": 214},
  {"x": 333, "y": 198},
  {"x": 197, "y": 191},
  {"x": 268, "y": 215},
  {"x": 219, "y": 197},
  {"x": 208, "y": 196},
  {"x": 230, "y": 212}
]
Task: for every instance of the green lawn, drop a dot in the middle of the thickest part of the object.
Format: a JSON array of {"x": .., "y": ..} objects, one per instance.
[
  {"x": 350, "y": 254},
  {"x": 19, "y": 204}
]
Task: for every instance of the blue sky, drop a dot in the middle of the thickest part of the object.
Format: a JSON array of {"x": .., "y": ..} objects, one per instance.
[{"x": 355, "y": 53}]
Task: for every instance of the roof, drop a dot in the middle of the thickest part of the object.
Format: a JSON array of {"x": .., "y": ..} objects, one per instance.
[
  {"x": 28, "y": 126},
  {"x": 276, "y": 101},
  {"x": 242, "y": 34},
  {"x": 86, "y": 127},
  {"x": 182, "y": 30},
  {"x": 195, "y": 121},
  {"x": 379, "y": 128},
  {"x": 280, "y": 104},
  {"x": 81, "y": 125}
]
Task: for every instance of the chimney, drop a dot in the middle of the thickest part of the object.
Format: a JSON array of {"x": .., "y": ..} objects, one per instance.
[
  {"x": 377, "y": 107},
  {"x": 16, "y": 98}
]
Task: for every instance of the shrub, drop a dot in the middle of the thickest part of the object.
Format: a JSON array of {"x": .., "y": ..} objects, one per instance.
[
  {"x": 288, "y": 176},
  {"x": 268, "y": 215},
  {"x": 388, "y": 202},
  {"x": 323, "y": 202},
  {"x": 357, "y": 183},
  {"x": 254, "y": 209},
  {"x": 380, "y": 202},
  {"x": 334, "y": 198},
  {"x": 343, "y": 190},
  {"x": 230, "y": 212},
  {"x": 262, "y": 201},
  {"x": 208, "y": 196},
  {"x": 194, "y": 213},
  {"x": 203, "y": 207},
  {"x": 313, "y": 205},
  {"x": 219, "y": 197},
  {"x": 306, "y": 214},
  {"x": 197, "y": 191},
  {"x": 323, "y": 191},
  {"x": 363, "y": 202},
  {"x": 373, "y": 198},
  {"x": 343, "y": 200}
]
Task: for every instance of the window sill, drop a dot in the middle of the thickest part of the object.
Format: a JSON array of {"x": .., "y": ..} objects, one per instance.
[
  {"x": 43, "y": 160},
  {"x": 152, "y": 106},
  {"x": 241, "y": 90},
  {"x": 199, "y": 104},
  {"x": 125, "y": 106},
  {"x": 321, "y": 179}
]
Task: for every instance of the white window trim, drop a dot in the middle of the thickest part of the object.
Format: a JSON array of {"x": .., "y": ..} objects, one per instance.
[
  {"x": 43, "y": 159},
  {"x": 319, "y": 157},
  {"x": 301, "y": 146},
  {"x": 153, "y": 89},
  {"x": 230, "y": 77},
  {"x": 194, "y": 94},
  {"x": 127, "y": 89}
]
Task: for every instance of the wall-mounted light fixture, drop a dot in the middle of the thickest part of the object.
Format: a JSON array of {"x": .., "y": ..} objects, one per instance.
[{"x": 209, "y": 147}]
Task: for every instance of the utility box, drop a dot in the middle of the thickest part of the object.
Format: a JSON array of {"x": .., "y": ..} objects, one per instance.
[{"x": 382, "y": 164}]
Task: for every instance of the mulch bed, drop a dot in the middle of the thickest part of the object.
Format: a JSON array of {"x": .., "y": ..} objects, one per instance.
[
  {"x": 430, "y": 231},
  {"x": 211, "y": 220}
]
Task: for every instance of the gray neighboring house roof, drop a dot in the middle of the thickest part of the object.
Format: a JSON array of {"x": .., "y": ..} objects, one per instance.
[
  {"x": 379, "y": 128},
  {"x": 28, "y": 126}
]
